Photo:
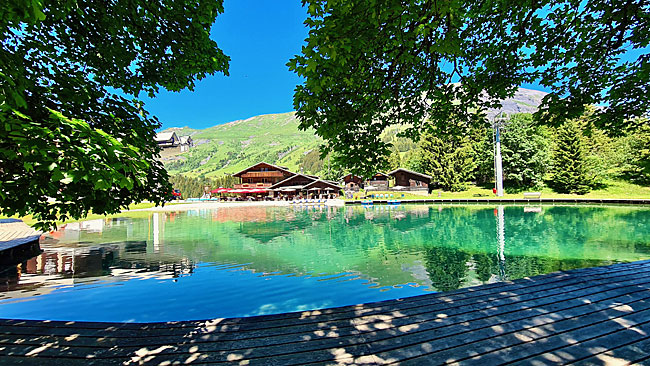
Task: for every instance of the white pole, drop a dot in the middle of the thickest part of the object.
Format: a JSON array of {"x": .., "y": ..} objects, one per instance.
[
  {"x": 499, "y": 167},
  {"x": 501, "y": 241}
]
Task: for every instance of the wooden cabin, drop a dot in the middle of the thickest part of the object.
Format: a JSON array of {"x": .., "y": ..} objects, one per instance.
[
  {"x": 410, "y": 180},
  {"x": 351, "y": 182},
  {"x": 167, "y": 140},
  {"x": 293, "y": 186},
  {"x": 378, "y": 181},
  {"x": 323, "y": 188},
  {"x": 262, "y": 175}
]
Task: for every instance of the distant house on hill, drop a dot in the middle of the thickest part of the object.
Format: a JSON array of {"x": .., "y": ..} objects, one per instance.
[
  {"x": 167, "y": 140},
  {"x": 410, "y": 180},
  {"x": 352, "y": 182},
  {"x": 378, "y": 181},
  {"x": 262, "y": 175},
  {"x": 186, "y": 143}
]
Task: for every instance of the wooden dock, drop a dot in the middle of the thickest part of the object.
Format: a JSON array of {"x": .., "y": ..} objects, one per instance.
[{"x": 592, "y": 316}]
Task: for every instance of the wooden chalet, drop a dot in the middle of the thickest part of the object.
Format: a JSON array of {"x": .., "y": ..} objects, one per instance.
[
  {"x": 319, "y": 187},
  {"x": 410, "y": 180},
  {"x": 293, "y": 185},
  {"x": 262, "y": 175},
  {"x": 378, "y": 181},
  {"x": 167, "y": 140},
  {"x": 351, "y": 182}
]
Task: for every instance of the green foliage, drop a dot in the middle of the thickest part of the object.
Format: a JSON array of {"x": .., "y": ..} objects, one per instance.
[
  {"x": 195, "y": 187},
  {"x": 312, "y": 163},
  {"x": 69, "y": 144},
  {"x": 448, "y": 159},
  {"x": 570, "y": 172},
  {"x": 394, "y": 160},
  {"x": 637, "y": 155},
  {"x": 371, "y": 64},
  {"x": 525, "y": 148}
]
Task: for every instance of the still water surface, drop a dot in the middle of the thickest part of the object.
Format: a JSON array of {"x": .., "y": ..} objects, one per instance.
[{"x": 231, "y": 262}]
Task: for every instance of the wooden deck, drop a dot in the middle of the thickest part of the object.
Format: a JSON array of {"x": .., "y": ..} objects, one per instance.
[{"x": 591, "y": 316}]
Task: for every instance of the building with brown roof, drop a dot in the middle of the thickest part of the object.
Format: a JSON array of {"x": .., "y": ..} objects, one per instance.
[
  {"x": 410, "y": 180},
  {"x": 262, "y": 175},
  {"x": 351, "y": 182},
  {"x": 378, "y": 181}
]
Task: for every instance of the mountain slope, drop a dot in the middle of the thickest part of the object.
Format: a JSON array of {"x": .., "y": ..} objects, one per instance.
[
  {"x": 276, "y": 139},
  {"x": 231, "y": 147}
]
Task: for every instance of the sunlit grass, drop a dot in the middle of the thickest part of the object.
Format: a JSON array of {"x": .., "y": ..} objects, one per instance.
[
  {"x": 29, "y": 220},
  {"x": 610, "y": 190}
]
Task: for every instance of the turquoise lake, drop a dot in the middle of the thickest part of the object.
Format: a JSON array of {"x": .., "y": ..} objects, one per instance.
[{"x": 233, "y": 262}]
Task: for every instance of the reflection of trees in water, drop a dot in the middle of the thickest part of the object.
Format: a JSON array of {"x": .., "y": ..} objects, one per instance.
[
  {"x": 486, "y": 265},
  {"x": 447, "y": 267}
]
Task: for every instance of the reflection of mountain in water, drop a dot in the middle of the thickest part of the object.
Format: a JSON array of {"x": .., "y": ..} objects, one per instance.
[{"x": 455, "y": 245}]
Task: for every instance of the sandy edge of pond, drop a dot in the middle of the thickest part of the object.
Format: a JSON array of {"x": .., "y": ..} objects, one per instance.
[{"x": 211, "y": 205}]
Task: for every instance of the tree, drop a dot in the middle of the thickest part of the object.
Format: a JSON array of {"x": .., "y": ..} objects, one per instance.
[
  {"x": 394, "y": 160},
  {"x": 448, "y": 159},
  {"x": 637, "y": 160},
  {"x": 370, "y": 64},
  {"x": 526, "y": 152},
  {"x": 71, "y": 140},
  {"x": 570, "y": 172}
]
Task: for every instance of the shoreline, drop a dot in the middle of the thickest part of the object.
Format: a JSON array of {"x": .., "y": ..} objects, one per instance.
[{"x": 186, "y": 206}]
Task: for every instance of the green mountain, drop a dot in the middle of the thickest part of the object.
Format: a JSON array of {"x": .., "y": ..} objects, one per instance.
[
  {"x": 231, "y": 147},
  {"x": 276, "y": 139}
]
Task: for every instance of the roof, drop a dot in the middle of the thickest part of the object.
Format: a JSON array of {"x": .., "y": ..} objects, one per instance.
[
  {"x": 410, "y": 172},
  {"x": 350, "y": 174},
  {"x": 325, "y": 182},
  {"x": 165, "y": 136},
  {"x": 263, "y": 162},
  {"x": 290, "y": 178},
  {"x": 380, "y": 173},
  {"x": 185, "y": 139}
]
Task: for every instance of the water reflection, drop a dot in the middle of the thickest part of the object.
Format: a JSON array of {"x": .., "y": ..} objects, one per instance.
[{"x": 322, "y": 256}]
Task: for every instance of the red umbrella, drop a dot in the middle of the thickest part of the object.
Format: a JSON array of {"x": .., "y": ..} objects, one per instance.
[
  {"x": 224, "y": 190},
  {"x": 215, "y": 191},
  {"x": 258, "y": 190}
]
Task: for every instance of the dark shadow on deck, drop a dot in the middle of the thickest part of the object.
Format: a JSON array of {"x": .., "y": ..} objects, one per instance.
[{"x": 587, "y": 316}]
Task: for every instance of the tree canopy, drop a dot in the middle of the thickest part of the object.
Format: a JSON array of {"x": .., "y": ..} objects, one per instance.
[
  {"x": 73, "y": 137},
  {"x": 369, "y": 64}
]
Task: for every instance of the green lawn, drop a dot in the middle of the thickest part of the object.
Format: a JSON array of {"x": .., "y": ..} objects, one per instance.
[
  {"x": 29, "y": 220},
  {"x": 612, "y": 189}
]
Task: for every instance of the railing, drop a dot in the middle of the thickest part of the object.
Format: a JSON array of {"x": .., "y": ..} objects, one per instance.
[
  {"x": 252, "y": 185},
  {"x": 270, "y": 174}
]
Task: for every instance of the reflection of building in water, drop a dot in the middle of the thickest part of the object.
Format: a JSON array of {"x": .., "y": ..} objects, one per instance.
[
  {"x": 68, "y": 266},
  {"x": 241, "y": 214}
]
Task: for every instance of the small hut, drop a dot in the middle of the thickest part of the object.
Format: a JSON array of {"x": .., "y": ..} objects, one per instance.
[
  {"x": 378, "y": 181},
  {"x": 351, "y": 182},
  {"x": 410, "y": 180}
]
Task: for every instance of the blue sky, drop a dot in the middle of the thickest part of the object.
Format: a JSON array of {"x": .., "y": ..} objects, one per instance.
[{"x": 260, "y": 36}]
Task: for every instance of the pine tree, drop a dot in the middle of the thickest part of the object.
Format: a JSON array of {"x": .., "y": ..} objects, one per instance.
[
  {"x": 448, "y": 159},
  {"x": 570, "y": 171},
  {"x": 394, "y": 160}
]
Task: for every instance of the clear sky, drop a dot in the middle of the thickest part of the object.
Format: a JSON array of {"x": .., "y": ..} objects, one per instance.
[{"x": 260, "y": 36}]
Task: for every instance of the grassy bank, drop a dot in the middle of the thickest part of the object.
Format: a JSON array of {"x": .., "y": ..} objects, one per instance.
[
  {"x": 610, "y": 190},
  {"x": 29, "y": 220}
]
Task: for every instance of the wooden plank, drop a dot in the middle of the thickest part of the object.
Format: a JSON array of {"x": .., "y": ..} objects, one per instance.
[
  {"x": 545, "y": 347},
  {"x": 501, "y": 335},
  {"x": 474, "y": 324},
  {"x": 633, "y": 352}
]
